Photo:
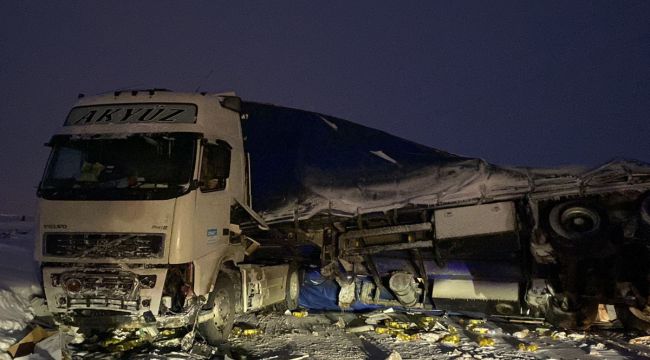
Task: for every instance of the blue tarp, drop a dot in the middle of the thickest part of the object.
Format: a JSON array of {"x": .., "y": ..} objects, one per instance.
[{"x": 319, "y": 293}]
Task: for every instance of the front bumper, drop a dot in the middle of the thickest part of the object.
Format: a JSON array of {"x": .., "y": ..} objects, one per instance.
[
  {"x": 129, "y": 292},
  {"x": 92, "y": 319}
]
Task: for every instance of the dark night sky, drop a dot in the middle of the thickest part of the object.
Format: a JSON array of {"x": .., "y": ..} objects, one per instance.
[{"x": 549, "y": 83}]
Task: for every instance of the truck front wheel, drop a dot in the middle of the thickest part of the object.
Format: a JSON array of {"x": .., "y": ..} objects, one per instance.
[{"x": 222, "y": 299}]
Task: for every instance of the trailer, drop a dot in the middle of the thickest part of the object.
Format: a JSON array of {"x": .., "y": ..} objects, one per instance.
[{"x": 401, "y": 224}]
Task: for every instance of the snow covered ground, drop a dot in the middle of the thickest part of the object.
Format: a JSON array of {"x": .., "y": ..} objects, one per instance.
[
  {"x": 329, "y": 336},
  {"x": 18, "y": 278},
  {"x": 273, "y": 335}
]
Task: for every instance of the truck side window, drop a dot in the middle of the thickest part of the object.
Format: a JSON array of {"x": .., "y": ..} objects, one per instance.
[{"x": 215, "y": 166}]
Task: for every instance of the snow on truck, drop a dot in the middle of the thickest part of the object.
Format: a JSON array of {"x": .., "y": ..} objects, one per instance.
[{"x": 146, "y": 217}]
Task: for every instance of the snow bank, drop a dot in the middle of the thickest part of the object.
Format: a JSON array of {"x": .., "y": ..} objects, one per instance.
[
  {"x": 15, "y": 314},
  {"x": 18, "y": 279}
]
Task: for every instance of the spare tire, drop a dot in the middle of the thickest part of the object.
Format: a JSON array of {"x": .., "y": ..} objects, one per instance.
[{"x": 575, "y": 221}]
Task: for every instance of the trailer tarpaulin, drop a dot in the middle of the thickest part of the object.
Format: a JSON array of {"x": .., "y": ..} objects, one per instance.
[{"x": 304, "y": 163}]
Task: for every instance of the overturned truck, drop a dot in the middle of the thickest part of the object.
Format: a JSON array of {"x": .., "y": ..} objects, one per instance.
[
  {"x": 168, "y": 210},
  {"x": 401, "y": 224}
]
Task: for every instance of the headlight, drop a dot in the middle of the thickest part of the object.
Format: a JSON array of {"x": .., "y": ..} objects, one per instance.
[{"x": 72, "y": 285}]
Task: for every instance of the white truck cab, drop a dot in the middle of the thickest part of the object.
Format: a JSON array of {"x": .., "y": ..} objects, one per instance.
[{"x": 135, "y": 215}]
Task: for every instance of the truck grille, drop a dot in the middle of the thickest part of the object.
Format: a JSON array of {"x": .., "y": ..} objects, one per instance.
[
  {"x": 117, "y": 284},
  {"x": 110, "y": 289},
  {"x": 122, "y": 246}
]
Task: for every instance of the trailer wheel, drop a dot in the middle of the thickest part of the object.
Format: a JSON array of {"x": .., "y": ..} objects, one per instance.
[
  {"x": 294, "y": 281},
  {"x": 292, "y": 290},
  {"x": 222, "y": 299}
]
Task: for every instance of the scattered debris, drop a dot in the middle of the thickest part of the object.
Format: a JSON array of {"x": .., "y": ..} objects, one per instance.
[
  {"x": 576, "y": 336},
  {"x": 485, "y": 341},
  {"x": 394, "y": 356},
  {"x": 382, "y": 330},
  {"x": 398, "y": 325},
  {"x": 527, "y": 347},
  {"x": 298, "y": 313},
  {"x": 299, "y": 357},
  {"x": 522, "y": 334},
  {"x": 169, "y": 343},
  {"x": 643, "y": 340},
  {"x": 428, "y": 322},
  {"x": 558, "y": 335},
  {"x": 375, "y": 319},
  {"x": 203, "y": 351},
  {"x": 27, "y": 344},
  {"x": 360, "y": 329},
  {"x": 347, "y": 293},
  {"x": 479, "y": 326},
  {"x": 239, "y": 331},
  {"x": 596, "y": 349},
  {"x": 49, "y": 348},
  {"x": 340, "y": 323},
  {"x": 451, "y": 339},
  {"x": 406, "y": 337},
  {"x": 400, "y": 335},
  {"x": 430, "y": 337}
]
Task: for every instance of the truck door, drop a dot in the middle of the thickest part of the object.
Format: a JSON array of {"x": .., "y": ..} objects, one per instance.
[{"x": 213, "y": 198}]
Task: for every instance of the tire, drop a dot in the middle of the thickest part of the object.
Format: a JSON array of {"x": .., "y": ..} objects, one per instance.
[
  {"x": 294, "y": 280},
  {"x": 576, "y": 221},
  {"x": 222, "y": 302},
  {"x": 292, "y": 291}
]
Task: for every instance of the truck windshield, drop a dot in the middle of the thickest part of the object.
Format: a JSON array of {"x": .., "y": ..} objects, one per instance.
[{"x": 116, "y": 167}]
